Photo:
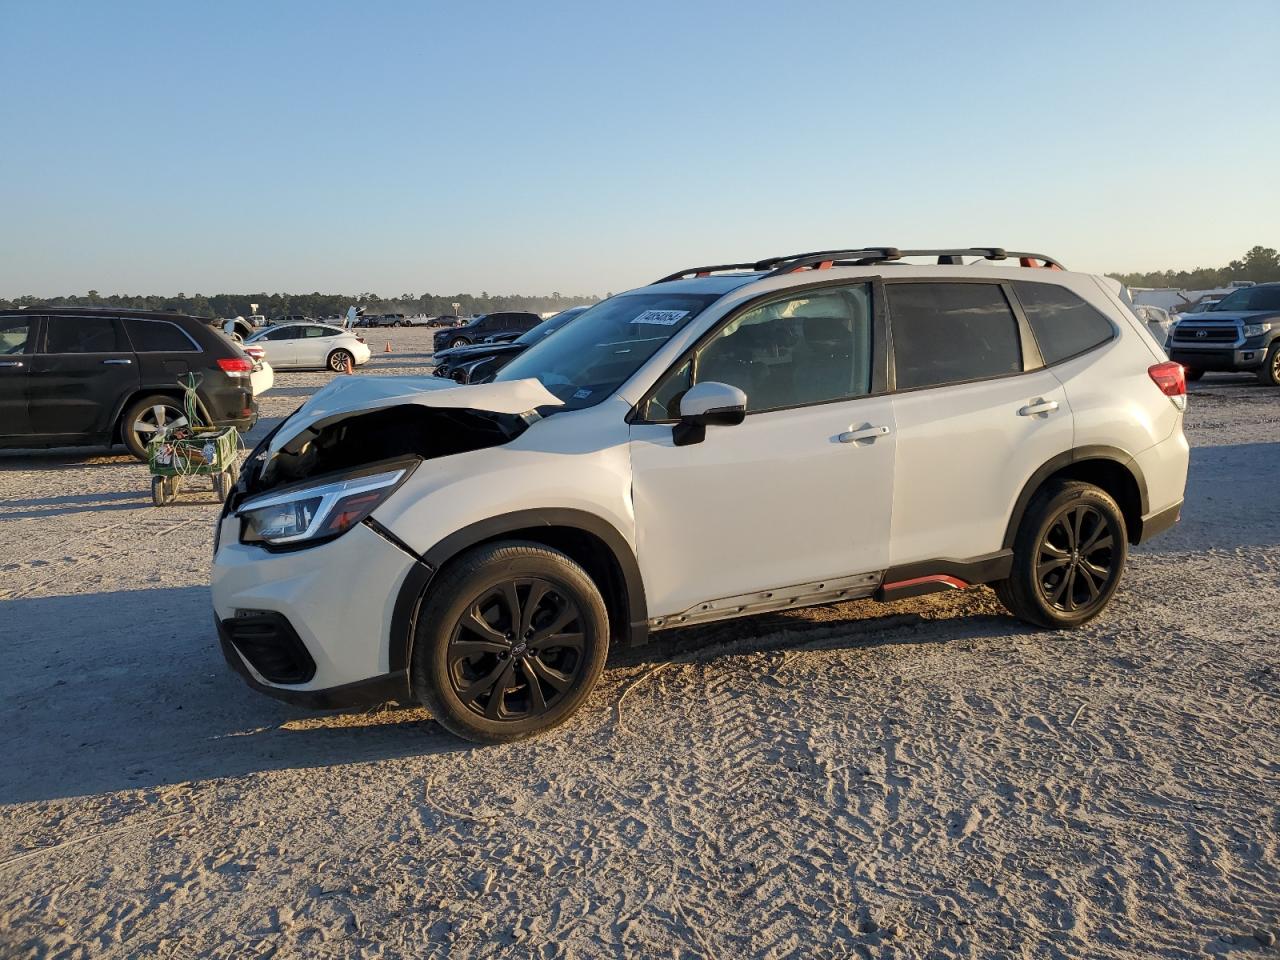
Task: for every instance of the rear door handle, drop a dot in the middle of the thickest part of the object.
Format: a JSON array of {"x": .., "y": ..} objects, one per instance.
[
  {"x": 864, "y": 433},
  {"x": 117, "y": 362},
  {"x": 1037, "y": 407},
  {"x": 11, "y": 363}
]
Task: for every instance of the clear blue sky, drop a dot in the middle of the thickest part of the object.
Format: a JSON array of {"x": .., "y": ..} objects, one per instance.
[{"x": 590, "y": 147}]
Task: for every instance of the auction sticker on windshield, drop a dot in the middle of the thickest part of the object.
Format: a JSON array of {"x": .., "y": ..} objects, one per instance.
[{"x": 662, "y": 318}]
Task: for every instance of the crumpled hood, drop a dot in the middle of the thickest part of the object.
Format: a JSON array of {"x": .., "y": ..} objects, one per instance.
[{"x": 345, "y": 395}]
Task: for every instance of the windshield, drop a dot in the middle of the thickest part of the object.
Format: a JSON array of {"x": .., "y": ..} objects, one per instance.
[
  {"x": 1250, "y": 298},
  {"x": 605, "y": 345},
  {"x": 550, "y": 325}
]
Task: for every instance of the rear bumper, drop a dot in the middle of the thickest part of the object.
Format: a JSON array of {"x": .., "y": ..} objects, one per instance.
[
  {"x": 233, "y": 406},
  {"x": 1160, "y": 521}
]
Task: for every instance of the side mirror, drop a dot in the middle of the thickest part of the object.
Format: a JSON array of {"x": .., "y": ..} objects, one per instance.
[{"x": 708, "y": 404}]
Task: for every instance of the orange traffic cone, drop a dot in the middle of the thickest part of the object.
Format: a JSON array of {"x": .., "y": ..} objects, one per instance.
[
  {"x": 387, "y": 348},
  {"x": 349, "y": 370}
]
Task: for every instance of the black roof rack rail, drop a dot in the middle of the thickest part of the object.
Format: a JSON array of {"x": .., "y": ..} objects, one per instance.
[
  {"x": 865, "y": 256},
  {"x": 706, "y": 271},
  {"x": 870, "y": 255}
]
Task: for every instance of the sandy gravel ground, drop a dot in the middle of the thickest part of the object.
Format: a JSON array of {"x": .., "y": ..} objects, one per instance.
[{"x": 928, "y": 779}]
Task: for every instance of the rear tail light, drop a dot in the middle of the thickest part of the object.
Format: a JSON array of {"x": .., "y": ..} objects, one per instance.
[
  {"x": 1171, "y": 378},
  {"x": 236, "y": 366}
]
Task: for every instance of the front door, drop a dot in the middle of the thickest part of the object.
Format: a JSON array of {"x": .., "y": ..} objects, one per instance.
[
  {"x": 797, "y": 494},
  {"x": 17, "y": 335},
  {"x": 80, "y": 376}
]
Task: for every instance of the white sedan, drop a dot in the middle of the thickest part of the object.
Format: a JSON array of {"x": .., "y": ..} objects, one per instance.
[{"x": 310, "y": 345}]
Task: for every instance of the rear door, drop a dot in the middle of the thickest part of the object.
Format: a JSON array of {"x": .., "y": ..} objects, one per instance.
[
  {"x": 81, "y": 375},
  {"x": 313, "y": 345},
  {"x": 17, "y": 338},
  {"x": 163, "y": 351},
  {"x": 976, "y": 411}
]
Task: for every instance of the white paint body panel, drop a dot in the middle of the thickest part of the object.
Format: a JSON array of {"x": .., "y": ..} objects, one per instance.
[
  {"x": 338, "y": 596},
  {"x": 775, "y": 501},
  {"x": 964, "y": 455}
]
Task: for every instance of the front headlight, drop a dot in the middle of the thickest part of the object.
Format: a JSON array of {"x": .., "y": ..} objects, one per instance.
[
  {"x": 1256, "y": 329},
  {"x": 308, "y": 515}
]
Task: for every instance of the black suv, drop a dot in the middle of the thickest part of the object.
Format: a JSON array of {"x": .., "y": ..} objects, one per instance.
[
  {"x": 491, "y": 324},
  {"x": 71, "y": 376}
]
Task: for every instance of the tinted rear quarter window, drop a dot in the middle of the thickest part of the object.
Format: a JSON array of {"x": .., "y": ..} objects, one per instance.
[
  {"x": 951, "y": 332},
  {"x": 82, "y": 335},
  {"x": 157, "y": 336},
  {"x": 1063, "y": 324}
]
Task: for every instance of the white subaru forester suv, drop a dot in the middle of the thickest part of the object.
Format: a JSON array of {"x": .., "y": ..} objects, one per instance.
[{"x": 729, "y": 440}]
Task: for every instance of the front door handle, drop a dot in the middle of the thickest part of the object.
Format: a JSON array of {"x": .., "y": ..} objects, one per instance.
[
  {"x": 117, "y": 362},
  {"x": 863, "y": 433},
  {"x": 1037, "y": 407},
  {"x": 10, "y": 363}
]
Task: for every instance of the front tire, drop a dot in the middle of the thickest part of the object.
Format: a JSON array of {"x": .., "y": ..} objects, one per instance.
[
  {"x": 1068, "y": 556},
  {"x": 458, "y": 342},
  {"x": 1269, "y": 372},
  {"x": 144, "y": 418},
  {"x": 510, "y": 642}
]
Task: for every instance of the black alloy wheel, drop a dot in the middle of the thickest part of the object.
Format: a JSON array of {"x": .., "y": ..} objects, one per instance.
[
  {"x": 510, "y": 640},
  {"x": 517, "y": 650},
  {"x": 1075, "y": 565},
  {"x": 1069, "y": 554}
]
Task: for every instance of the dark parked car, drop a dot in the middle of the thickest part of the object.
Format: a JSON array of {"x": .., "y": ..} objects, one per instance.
[
  {"x": 1239, "y": 332},
  {"x": 71, "y": 376},
  {"x": 470, "y": 364},
  {"x": 486, "y": 326}
]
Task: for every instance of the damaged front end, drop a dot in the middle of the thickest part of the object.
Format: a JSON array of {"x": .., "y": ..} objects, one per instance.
[{"x": 342, "y": 453}]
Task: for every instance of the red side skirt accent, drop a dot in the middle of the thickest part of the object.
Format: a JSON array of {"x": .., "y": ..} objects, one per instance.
[{"x": 954, "y": 583}]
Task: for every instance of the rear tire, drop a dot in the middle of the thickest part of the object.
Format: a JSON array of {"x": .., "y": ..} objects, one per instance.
[
  {"x": 1192, "y": 373},
  {"x": 222, "y": 484},
  {"x": 511, "y": 640},
  {"x": 142, "y": 419},
  {"x": 1068, "y": 556},
  {"x": 157, "y": 492},
  {"x": 1269, "y": 372},
  {"x": 338, "y": 361}
]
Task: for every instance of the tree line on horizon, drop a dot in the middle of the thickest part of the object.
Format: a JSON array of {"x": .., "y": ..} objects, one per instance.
[
  {"x": 223, "y": 305},
  {"x": 1260, "y": 264}
]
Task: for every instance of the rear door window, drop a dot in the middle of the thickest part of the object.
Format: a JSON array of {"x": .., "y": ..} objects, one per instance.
[
  {"x": 951, "y": 333},
  {"x": 158, "y": 336},
  {"x": 1063, "y": 324},
  {"x": 82, "y": 335}
]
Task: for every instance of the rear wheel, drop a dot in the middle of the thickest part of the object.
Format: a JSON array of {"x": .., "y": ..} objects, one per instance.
[
  {"x": 144, "y": 418},
  {"x": 339, "y": 359},
  {"x": 1068, "y": 556},
  {"x": 1269, "y": 372},
  {"x": 510, "y": 642},
  {"x": 1192, "y": 373}
]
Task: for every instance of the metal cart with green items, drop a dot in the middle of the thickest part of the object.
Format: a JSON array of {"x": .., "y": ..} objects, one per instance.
[{"x": 192, "y": 447}]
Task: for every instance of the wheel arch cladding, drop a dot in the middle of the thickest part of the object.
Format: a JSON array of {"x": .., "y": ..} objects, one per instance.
[
  {"x": 590, "y": 541},
  {"x": 1109, "y": 468}
]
